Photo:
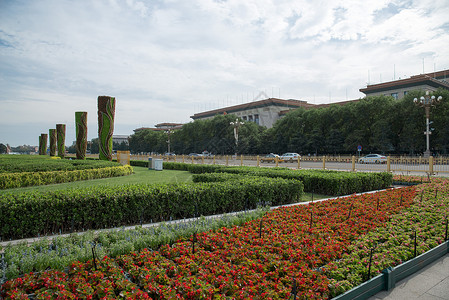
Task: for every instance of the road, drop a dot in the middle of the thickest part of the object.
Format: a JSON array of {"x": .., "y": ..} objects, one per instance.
[{"x": 400, "y": 169}]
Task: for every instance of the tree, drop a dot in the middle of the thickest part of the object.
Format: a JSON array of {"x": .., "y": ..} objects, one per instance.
[
  {"x": 148, "y": 141},
  {"x": 439, "y": 140},
  {"x": 93, "y": 146},
  {"x": 3, "y": 148},
  {"x": 123, "y": 146}
]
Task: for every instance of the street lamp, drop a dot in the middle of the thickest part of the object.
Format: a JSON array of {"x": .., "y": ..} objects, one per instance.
[
  {"x": 168, "y": 132},
  {"x": 236, "y": 125},
  {"x": 427, "y": 101}
]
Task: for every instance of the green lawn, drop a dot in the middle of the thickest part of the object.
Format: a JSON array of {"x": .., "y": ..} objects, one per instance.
[
  {"x": 308, "y": 197},
  {"x": 141, "y": 175}
]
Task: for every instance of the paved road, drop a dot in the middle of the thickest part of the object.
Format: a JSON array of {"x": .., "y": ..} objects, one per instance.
[{"x": 403, "y": 169}]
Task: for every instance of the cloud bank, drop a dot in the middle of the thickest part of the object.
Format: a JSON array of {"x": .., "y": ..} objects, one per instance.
[{"x": 165, "y": 60}]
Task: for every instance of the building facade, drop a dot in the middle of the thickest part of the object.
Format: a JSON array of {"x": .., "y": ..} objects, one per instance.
[
  {"x": 162, "y": 127},
  {"x": 399, "y": 88},
  {"x": 120, "y": 139},
  {"x": 263, "y": 112}
]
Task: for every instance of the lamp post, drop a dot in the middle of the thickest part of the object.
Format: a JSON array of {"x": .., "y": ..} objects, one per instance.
[
  {"x": 236, "y": 125},
  {"x": 168, "y": 132},
  {"x": 427, "y": 102}
]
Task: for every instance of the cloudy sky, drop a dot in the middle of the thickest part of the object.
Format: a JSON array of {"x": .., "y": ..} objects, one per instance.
[{"x": 165, "y": 60}]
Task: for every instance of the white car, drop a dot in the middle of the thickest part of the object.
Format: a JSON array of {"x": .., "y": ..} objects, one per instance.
[
  {"x": 373, "y": 159},
  {"x": 290, "y": 156}
]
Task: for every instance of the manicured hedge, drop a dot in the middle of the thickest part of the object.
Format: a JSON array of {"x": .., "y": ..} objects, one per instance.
[
  {"x": 215, "y": 177},
  {"x": 318, "y": 181},
  {"x": 32, "y": 213},
  {"x": 23, "y": 179},
  {"x": 139, "y": 163},
  {"x": 35, "y": 163}
]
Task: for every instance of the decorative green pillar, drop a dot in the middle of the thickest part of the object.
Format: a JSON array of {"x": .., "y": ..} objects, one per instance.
[
  {"x": 60, "y": 132},
  {"x": 52, "y": 134},
  {"x": 106, "y": 113},
  {"x": 43, "y": 144},
  {"x": 81, "y": 134}
]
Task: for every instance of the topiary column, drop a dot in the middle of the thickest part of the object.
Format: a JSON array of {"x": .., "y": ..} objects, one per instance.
[
  {"x": 52, "y": 134},
  {"x": 43, "y": 144},
  {"x": 60, "y": 132},
  {"x": 81, "y": 134},
  {"x": 106, "y": 113}
]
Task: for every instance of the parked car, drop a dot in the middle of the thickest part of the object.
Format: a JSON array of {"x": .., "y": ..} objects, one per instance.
[
  {"x": 290, "y": 156},
  {"x": 373, "y": 159},
  {"x": 271, "y": 158},
  {"x": 206, "y": 153},
  {"x": 194, "y": 154},
  {"x": 169, "y": 154}
]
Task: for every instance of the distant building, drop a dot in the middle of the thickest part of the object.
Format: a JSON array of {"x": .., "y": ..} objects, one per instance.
[
  {"x": 263, "y": 112},
  {"x": 399, "y": 88},
  {"x": 120, "y": 139},
  {"x": 314, "y": 106},
  {"x": 161, "y": 127},
  {"x": 165, "y": 126}
]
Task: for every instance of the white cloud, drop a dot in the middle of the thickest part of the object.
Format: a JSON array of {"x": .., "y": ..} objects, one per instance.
[{"x": 166, "y": 59}]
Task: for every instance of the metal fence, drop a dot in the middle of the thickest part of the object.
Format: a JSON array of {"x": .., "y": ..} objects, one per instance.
[{"x": 395, "y": 164}]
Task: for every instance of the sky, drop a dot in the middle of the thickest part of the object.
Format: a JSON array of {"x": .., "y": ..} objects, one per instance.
[{"x": 165, "y": 60}]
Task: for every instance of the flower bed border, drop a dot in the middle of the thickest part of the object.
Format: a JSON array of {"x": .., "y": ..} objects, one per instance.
[{"x": 387, "y": 280}]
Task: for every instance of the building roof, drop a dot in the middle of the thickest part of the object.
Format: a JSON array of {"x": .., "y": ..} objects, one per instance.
[
  {"x": 341, "y": 103},
  {"x": 413, "y": 81},
  {"x": 168, "y": 125},
  {"x": 313, "y": 106},
  {"x": 157, "y": 128},
  {"x": 255, "y": 104}
]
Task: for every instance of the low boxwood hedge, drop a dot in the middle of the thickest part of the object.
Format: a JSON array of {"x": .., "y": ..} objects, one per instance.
[
  {"x": 33, "y": 213},
  {"x": 23, "y": 179},
  {"x": 335, "y": 183},
  {"x": 38, "y": 163}
]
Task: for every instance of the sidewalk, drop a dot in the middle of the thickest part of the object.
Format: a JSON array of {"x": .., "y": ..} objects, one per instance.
[{"x": 430, "y": 283}]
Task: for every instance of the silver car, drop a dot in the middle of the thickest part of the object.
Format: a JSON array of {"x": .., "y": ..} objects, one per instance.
[
  {"x": 290, "y": 156},
  {"x": 373, "y": 159}
]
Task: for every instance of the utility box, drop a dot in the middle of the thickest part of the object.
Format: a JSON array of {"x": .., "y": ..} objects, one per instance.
[
  {"x": 150, "y": 163},
  {"x": 157, "y": 164}
]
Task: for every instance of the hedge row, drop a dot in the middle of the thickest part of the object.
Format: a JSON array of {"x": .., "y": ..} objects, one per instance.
[
  {"x": 23, "y": 179},
  {"x": 36, "y": 163},
  {"x": 318, "y": 181},
  {"x": 31, "y": 214}
]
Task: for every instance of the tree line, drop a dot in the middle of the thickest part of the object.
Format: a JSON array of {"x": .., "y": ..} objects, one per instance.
[{"x": 380, "y": 124}]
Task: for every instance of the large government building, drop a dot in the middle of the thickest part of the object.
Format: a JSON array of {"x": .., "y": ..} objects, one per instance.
[
  {"x": 266, "y": 112},
  {"x": 263, "y": 112},
  {"x": 399, "y": 88}
]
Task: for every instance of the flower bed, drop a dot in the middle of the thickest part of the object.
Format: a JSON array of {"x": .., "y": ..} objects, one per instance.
[
  {"x": 91, "y": 280},
  {"x": 395, "y": 242},
  {"x": 266, "y": 258},
  {"x": 410, "y": 180}
]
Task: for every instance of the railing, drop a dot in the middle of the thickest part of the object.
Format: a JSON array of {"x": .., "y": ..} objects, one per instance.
[
  {"x": 389, "y": 277},
  {"x": 396, "y": 164}
]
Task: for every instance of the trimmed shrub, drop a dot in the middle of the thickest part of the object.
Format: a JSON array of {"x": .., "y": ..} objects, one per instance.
[
  {"x": 325, "y": 182},
  {"x": 33, "y": 213},
  {"x": 23, "y": 179}
]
